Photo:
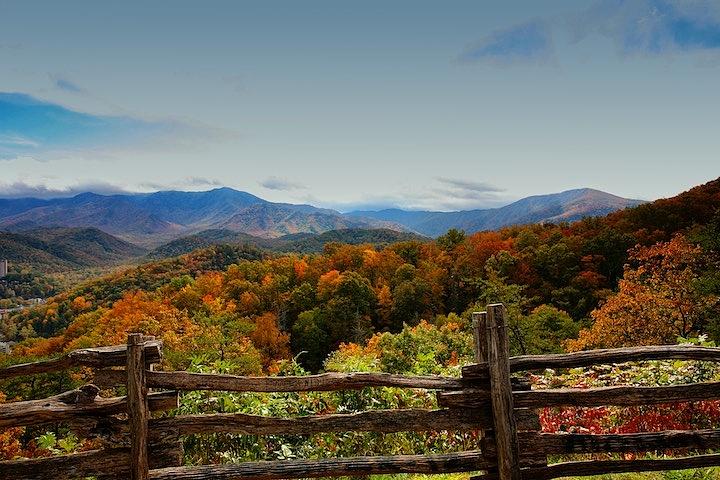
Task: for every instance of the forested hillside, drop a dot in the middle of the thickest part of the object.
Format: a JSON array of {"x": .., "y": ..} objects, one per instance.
[
  {"x": 60, "y": 249},
  {"x": 556, "y": 279},
  {"x": 298, "y": 242}
]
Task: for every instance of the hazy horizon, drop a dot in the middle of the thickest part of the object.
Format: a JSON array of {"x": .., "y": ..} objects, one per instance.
[
  {"x": 58, "y": 196},
  {"x": 414, "y": 105}
]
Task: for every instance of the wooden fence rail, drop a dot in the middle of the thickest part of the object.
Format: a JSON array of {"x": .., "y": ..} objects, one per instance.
[
  {"x": 486, "y": 400},
  {"x": 100, "y": 357},
  {"x": 599, "y": 357}
]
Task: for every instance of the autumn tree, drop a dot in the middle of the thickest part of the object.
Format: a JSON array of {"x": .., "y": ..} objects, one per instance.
[
  {"x": 657, "y": 300},
  {"x": 221, "y": 335},
  {"x": 269, "y": 340}
]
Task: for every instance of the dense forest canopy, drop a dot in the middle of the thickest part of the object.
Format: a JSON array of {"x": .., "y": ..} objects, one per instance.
[{"x": 578, "y": 285}]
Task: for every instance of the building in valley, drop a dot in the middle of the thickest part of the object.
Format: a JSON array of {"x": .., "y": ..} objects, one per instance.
[{"x": 3, "y": 268}]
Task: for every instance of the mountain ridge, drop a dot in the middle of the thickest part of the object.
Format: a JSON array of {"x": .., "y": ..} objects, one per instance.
[
  {"x": 296, "y": 242},
  {"x": 153, "y": 219},
  {"x": 565, "y": 206}
]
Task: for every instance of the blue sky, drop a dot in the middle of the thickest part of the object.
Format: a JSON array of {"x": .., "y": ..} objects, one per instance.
[
  {"x": 418, "y": 104},
  {"x": 36, "y": 127}
]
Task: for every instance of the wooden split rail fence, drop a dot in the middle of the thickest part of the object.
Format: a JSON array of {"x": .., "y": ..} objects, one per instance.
[{"x": 486, "y": 399}]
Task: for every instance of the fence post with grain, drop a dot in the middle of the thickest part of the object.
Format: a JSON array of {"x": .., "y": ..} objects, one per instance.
[{"x": 486, "y": 399}]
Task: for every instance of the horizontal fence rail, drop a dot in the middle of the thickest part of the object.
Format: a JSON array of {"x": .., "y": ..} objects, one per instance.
[
  {"x": 486, "y": 400},
  {"x": 587, "y": 468},
  {"x": 100, "y": 357},
  {"x": 599, "y": 357},
  {"x": 93, "y": 463},
  {"x": 470, "y": 461},
  {"x": 75, "y": 405},
  {"x": 556, "y": 444},
  {"x": 381, "y": 421},
  {"x": 588, "y": 397},
  {"x": 325, "y": 382}
]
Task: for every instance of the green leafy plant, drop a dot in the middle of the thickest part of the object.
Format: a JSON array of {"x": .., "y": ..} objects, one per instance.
[{"x": 49, "y": 441}]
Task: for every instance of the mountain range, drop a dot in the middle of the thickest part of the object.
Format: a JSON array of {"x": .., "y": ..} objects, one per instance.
[
  {"x": 566, "y": 206},
  {"x": 153, "y": 219}
]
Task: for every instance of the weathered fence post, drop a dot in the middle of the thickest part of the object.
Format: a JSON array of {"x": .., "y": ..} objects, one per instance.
[
  {"x": 479, "y": 326},
  {"x": 498, "y": 357},
  {"x": 479, "y": 320},
  {"x": 137, "y": 405}
]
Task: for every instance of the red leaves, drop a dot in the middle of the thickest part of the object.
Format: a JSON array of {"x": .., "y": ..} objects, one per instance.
[{"x": 654, "y": 418}]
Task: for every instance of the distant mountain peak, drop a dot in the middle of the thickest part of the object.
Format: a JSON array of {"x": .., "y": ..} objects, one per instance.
[{"x": 87, "y": 196}]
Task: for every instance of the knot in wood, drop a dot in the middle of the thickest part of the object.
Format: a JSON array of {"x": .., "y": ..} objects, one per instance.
[{"x": 84, "y": 394}]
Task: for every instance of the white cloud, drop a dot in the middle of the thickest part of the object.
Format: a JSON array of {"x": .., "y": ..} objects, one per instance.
[
  {"x": 22, "y": 189},
  {"x": 187, "y": 182},
  {"x": 446, "y": 194},
  {"x": 17, "y": 141},
  {"x": 282, "y": 184}
]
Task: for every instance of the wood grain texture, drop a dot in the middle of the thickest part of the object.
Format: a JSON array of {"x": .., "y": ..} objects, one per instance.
[
  {"x": 322, "y": 382},
  {"x": 99, "y": 357},
  {"x": 86, "y": 464},
  {"x": 621, "y": 395},
  {"x": 474, "y": 398},
  {"x": 479, "y": 321},
  {"x": 77, "y": 465},
  {"x": 553, "y": 444},
  {"x": 107, "y": 378},
  {"x": 599, "y": 357},
  {"x": 383, "y": 421},
  {"x": 137, "y": 406},
  {"x": 488, "y": 399},
  {"x": 594, "y": 467},
  {"x": 527, "y": 419},
  {"x": 74, "y": 406},
  {"x": 527, "y": 459},
  {"x": 501, "y": 395},
  {"x": 479, "y": 326},
  {"x": 453, "y": 462},
  {"x": 115, "y": 432},
  {"x": 588, "y": 397}
]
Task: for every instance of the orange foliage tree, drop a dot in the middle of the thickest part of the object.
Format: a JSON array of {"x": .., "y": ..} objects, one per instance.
[
  {"x": 657, "y": 300},
  {"x": 269, "y": 339}
]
